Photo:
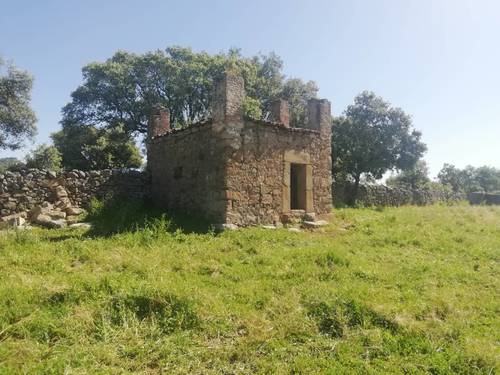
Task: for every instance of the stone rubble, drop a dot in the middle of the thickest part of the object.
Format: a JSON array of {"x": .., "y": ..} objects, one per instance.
[
  {"x": 56, "y": 200},
  {"x": 314, "y": 224}
]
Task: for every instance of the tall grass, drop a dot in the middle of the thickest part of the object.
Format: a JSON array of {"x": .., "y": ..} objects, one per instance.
[{"x": 399, "y": 290}]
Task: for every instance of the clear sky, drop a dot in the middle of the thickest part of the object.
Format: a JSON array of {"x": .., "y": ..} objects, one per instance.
[{"x": 439, "y": 60}]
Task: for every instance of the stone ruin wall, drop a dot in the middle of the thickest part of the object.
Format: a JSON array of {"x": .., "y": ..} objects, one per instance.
[
  {"x": 188, "y": 171},
  {"x": 232, "y": 169},
  {"x": 22, "y": 191},
  {"x": 255, "y": 172}
]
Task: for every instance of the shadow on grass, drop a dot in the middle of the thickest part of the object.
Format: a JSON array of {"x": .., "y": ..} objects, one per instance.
[{"x": 113, "y": 217}]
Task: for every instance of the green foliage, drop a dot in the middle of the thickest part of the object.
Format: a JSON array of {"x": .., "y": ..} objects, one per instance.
[
  {"x": 416, "y": 177},
  {"x": 9, "y": 163},
  {"x": 400, "y": 290},
  {"x": 470, "y": 179},
  {"x": 166, "y": 313},
  {"x": 17, "y": 119},
  {"x": 371, "y": 138},
  {"x": 297, "y": 93},
  {"x": 335, "y": 319},
  {"x": 252, "y": 108},
  {"x": 488, "y": 178},
  {"x": 44, "y": 157},
  {"x": 88, "y": 148},
  {"x": 123, "y": 89}
]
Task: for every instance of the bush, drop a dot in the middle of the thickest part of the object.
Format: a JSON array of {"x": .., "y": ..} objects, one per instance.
[{"x": 44, "y": 157}]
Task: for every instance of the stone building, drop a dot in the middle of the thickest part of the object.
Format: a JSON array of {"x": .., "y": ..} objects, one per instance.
[{"x": 236, "y": 170}]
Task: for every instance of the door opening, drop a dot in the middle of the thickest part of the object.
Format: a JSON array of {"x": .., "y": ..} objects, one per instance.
[{"x": 298, "y": 186}]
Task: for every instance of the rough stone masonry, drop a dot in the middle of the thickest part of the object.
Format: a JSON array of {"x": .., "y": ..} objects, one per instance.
[
  {"x": 236, "y": 170},
  {"x": 55, "y": 199}
]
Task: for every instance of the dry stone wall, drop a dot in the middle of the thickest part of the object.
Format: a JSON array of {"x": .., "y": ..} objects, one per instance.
[
  {"x": 484, "y": 198},
  {"x": 24, "y": 190},
  {"x": 381, "y": 195}
]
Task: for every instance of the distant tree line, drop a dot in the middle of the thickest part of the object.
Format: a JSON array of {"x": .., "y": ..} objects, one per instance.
[{"x": 469, "y": 179}]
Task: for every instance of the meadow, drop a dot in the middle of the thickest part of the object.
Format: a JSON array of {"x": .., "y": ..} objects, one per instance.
[{"x": 395, "y": 290}]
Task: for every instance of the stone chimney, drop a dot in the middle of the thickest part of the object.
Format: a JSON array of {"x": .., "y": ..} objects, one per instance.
[
  {"x": 319, "y": 115},
  {"x": 280, "y": 112},
  {"x": 159, "y": 121},
  {"x": 227, "y": 104}
]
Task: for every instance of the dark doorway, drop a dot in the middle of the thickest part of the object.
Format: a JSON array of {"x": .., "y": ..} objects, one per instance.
[{"x": 298, "y": 186}]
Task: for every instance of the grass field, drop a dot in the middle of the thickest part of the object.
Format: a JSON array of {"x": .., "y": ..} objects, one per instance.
[{"x": 397, "y": 290}]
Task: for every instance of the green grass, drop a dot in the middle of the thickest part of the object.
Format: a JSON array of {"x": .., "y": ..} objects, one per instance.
[{"x": 396, "y": 290}]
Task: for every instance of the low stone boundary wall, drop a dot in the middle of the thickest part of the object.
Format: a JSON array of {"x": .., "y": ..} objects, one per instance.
[
  {"x": 484, "y": 198},
  {"x": 381, "y": 195},
  {"x": 21, "y": 191}
]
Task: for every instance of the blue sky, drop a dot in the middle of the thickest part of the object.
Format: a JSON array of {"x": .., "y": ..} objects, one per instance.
[{"x": 439, "y": 60}]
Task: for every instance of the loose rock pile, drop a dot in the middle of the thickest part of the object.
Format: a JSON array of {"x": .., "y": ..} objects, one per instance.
[
  {"x": 56, "y": 200},
  {"x": 59, "y": 214}
]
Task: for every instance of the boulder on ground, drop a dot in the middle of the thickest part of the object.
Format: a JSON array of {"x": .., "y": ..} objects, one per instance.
[
  {"x": 81, "y": 225},
  {"x": 47, "y": 205},
  {"x": 268, "y": 226},
  {"x": 14, "y": 220},
  {"x": 314, "y": 224},
  {"x": 227, "y": 226},
  {"x": 48, "y": 222},
  {"x": 46, "y": 211},
  {"x": 51, "y": 216},
  {"x": 74, "y": 211}
]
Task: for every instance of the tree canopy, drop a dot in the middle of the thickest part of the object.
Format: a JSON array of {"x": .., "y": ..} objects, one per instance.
[
  {"x": 413, "y": 178},
  {"x": 122, "y": 90},
  {"x": 8, "y": 163},
  {"x": 470, "y": 178},
  {"x": 88, "y": 147},
  {"x": 17, "y": 119},
  {"x": 44, "y": 157},
  {"x": 371, "y": 138}
]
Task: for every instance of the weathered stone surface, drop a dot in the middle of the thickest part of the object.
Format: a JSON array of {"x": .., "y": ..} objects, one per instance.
[
  {"x": 381, "y": 195},
  {"x": 268, "y": 226},
  {"x": 74, "y": 211},
  {"x": 314, "y": 224},
  {"x": 81, "y": 225},
  {"x": 48, "y": 222},
  {"x": 72, "y": 219},
  {"x": 15, "y": 220},
  {"x": 23, "y": 215},
  {"x": 227, "y": 226},
  {"x": 54, "y": 214},
  {"x": 51, "y": 174},
  {"x": 27, "y": 189}
]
